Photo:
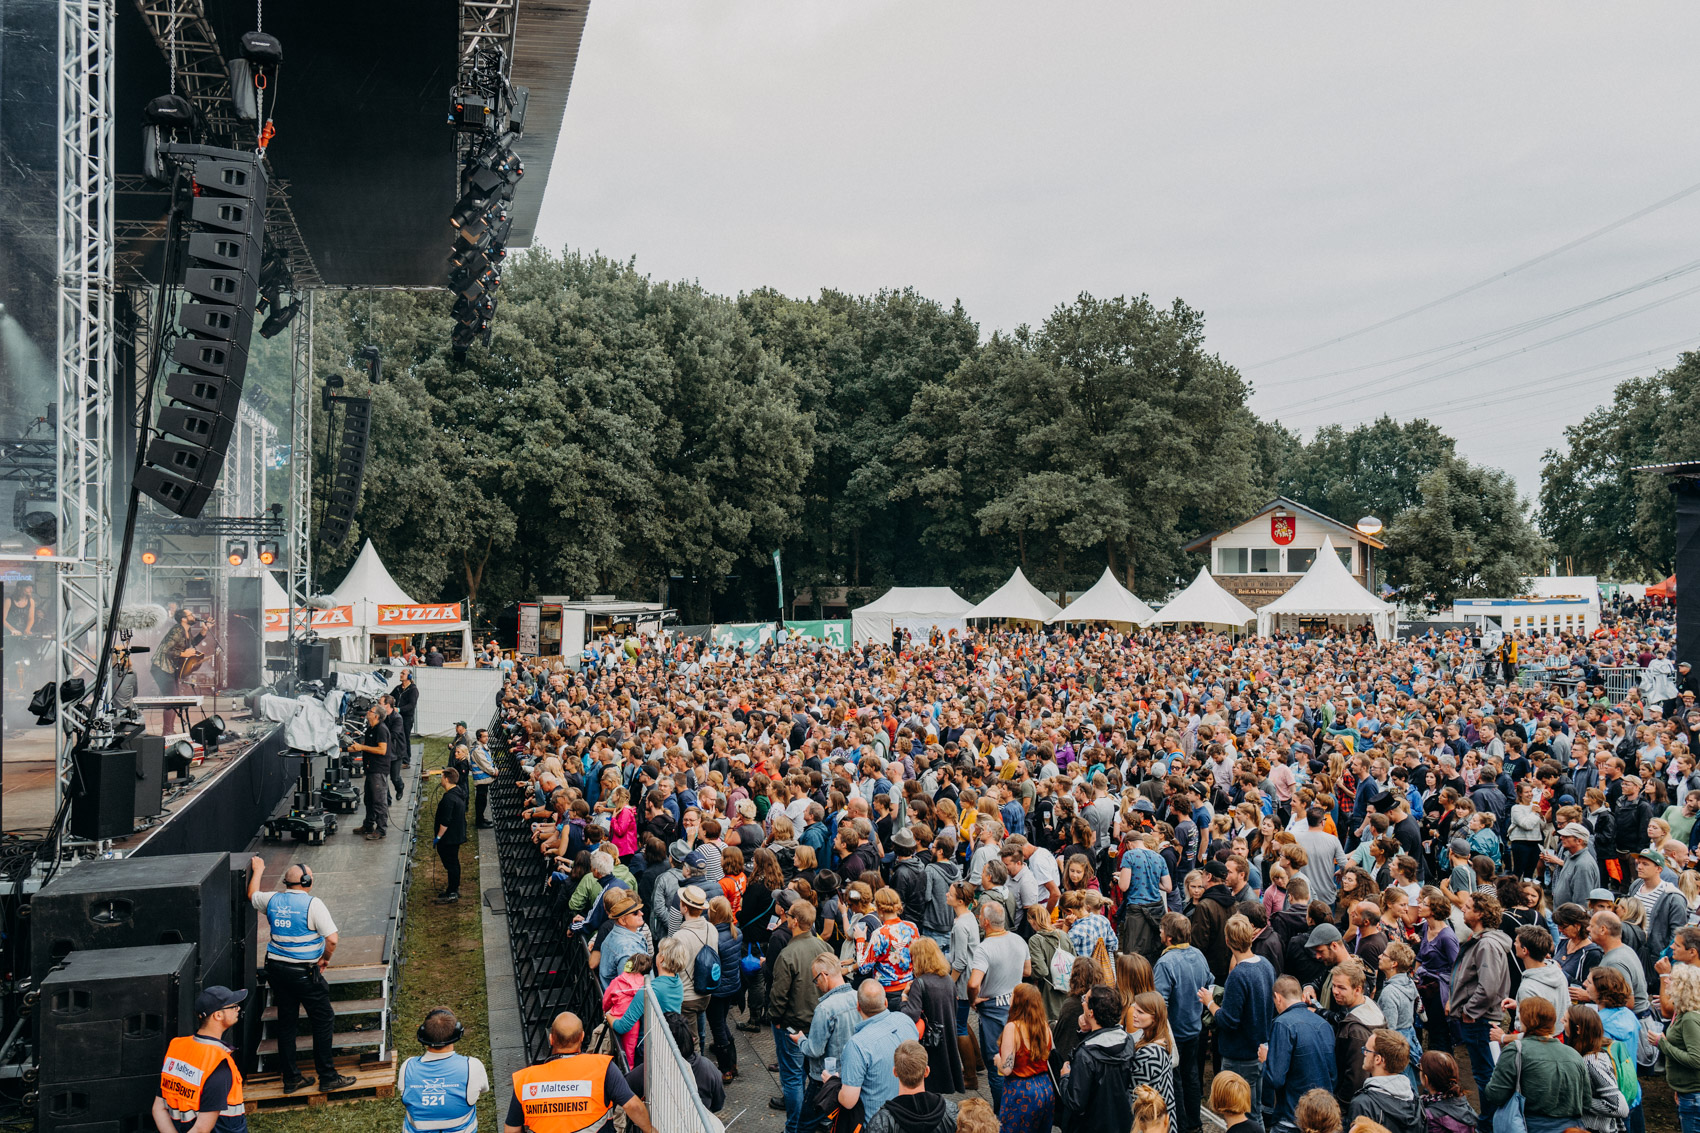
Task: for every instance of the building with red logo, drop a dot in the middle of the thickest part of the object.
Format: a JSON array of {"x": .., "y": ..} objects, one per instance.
[{"x": 1260, "y": 558}]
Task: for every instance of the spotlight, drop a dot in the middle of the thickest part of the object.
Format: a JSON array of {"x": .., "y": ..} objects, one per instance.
[
  {"x": 268, "y": 552},
  {"x": 279, "y": 319},
  {"x": 179, "y": 757},
  {"x": 236, "y": 552},
  {"x": 33, "y": 513},
  {"x": 44, "y": 552},
  {"x": 207, "y": 733},
  {"x": 150, "y": 553}
]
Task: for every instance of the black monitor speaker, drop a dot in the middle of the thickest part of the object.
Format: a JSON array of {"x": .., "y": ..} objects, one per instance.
[
  {"x": 112, "y": 1012},
  {"x": 244, "y": 638},
  {"x": 103, "y": 797},
  {"x": 313, "y": 660},
  {"x": 150, "y": 775}
]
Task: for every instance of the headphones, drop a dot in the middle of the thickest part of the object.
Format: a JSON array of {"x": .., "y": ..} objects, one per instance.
[
  {"x": 459, "y": 1031},
  {"x": 306, "y": 881}
]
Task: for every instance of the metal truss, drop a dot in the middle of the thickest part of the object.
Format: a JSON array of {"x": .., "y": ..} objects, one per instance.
[
  {"x": 485, "y": 24},
  {"x": 83, "y": 236},
  {"x": 266, "y": 525},
  {"x": 202, "y": 76},
  {"x": 29, "y": 460},
  {"x": 299, "y": 547}
]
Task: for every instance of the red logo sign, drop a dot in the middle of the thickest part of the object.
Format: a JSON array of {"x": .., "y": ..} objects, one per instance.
[{"x": 1282, "y": 529}]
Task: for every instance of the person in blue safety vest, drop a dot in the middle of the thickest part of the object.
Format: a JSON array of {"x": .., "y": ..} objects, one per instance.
[
  {"x": 440, "y": 1089},
  {"x": 303, "y": 937}
]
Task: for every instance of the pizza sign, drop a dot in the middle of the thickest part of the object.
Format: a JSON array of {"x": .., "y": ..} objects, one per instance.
[{"x": 1282, "y": 528}]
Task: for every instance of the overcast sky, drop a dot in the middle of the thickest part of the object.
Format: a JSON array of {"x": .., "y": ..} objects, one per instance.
[{"x": 1297, "y": 171}]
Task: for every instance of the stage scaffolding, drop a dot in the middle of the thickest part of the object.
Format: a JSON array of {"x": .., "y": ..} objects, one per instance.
[{"x": 84, "y": 236}]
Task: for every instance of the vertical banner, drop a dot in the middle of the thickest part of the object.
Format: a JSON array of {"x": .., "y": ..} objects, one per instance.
[
  {"x": 779, "y": 578},
  {"x": 530, "y": 628}
]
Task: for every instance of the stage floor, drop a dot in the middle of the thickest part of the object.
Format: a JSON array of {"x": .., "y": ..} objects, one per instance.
[
  {"x": 26, "y": 776},
  {"x": 363, "y": 883}
]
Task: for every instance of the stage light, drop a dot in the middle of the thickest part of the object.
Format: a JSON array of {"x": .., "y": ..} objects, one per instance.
[
  {"x": 44, "y": 552},
  {"x": 236, "y": 552},
  {"x": 268, "y": 552},
  {"x": 179, "y": 757},
  {"x": 150, "y": 554},
  {"x": 207, "y": 733},
  {"x": 279, "y": 319},
  {"x": 33, "y": 513}
]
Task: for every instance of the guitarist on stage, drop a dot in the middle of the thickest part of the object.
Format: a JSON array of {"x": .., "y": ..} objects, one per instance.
[{"x": 176, "y": 650}]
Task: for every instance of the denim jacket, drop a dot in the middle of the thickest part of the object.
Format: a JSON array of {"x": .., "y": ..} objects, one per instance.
[{"x": 834, "y": 1022}]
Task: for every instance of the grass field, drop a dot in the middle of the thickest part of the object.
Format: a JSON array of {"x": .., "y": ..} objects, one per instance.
[{"x": 442, "y": 951}]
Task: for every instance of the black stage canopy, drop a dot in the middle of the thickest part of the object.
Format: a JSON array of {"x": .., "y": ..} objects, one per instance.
[{"x": 362, "y": 152}]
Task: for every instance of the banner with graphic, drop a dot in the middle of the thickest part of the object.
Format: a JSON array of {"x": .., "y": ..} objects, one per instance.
[
  {"x": 835, "y": 633},
  {"x": 752, "y": 634},
  {"x": 779, "y": 577},
  {"x": 420, "y": 618},
  {"x": 324, "y": 621}
]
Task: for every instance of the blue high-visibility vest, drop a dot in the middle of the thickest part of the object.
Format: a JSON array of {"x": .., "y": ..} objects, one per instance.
[
  {"x": 434, "y": 1093},
  {"x": 291, "y": 938}
]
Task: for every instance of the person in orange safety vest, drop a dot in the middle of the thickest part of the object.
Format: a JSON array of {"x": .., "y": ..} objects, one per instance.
[
  {"x": 200, "y": 1088},
  {"x": 568, "y": 1091}
]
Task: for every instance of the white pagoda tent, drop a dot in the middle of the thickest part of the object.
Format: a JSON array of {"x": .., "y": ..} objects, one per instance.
[
  {"x": 1329, "y": 591},
  {"x": 1016, "y": 600},
  {"x": 918, "y": 609},
  {"x": 1205, "y": 603},
  {"x": 1107, "y": 601},
  {"x": 367, "y": 587}
]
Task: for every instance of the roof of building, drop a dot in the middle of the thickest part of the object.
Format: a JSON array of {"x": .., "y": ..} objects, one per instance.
[{"x": 1204, "y": 541}]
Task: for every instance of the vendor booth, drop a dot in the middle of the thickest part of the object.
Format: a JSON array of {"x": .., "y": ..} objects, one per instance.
[
  {"x": 1016, "y": 600},
  {"x": 1107, "y": 601},
  {"x": 1327, "y": 598},
  {"x": 918, "y": 609},
  {"x": 1207, "y": 604},
  {"x": 387, "y": 621}
]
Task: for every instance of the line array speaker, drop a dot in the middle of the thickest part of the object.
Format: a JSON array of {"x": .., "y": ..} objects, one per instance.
[
  {"x": 350, "y": 472},
  {"x": 222, "y": 280}
]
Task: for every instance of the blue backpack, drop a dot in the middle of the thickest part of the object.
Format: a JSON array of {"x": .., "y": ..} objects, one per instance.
[{"x": 705, "y": 972}]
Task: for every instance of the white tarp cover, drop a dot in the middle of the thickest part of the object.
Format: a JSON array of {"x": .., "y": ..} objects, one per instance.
[
  {"x": 307, "y": 724},
  {"x": 917, "y": 609},
  {"x": 1018, "y": 599},
  {"x": 367, "y": 587},
  {"x": 1107, "y": 601},
  {"x": 1329, "y": 590},
  {"x": 1206, "y": 603}
]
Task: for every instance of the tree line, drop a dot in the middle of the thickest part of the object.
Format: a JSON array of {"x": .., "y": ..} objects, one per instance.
[{"x": 621, "y": 433}]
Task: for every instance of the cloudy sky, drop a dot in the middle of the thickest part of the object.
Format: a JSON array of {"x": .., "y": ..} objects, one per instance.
[{"x": 1299, "y": 172}]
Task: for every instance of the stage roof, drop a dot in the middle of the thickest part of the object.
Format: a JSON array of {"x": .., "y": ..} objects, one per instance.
[{"x": 363, "y": 153}]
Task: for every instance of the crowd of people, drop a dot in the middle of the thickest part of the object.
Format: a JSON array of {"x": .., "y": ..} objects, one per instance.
[{"x": 1316, "y": 883}]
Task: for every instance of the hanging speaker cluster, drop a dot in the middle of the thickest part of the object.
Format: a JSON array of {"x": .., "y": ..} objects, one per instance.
[
  {"x": 349, "y": 472},
  {"x": 481, "y": 220},
  {"x": 226, "y": 216}
]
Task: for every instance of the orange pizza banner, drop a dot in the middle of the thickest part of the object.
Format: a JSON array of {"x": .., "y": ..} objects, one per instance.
[
  {"x": 337, "y": 617},
  {"x": 409, "y": 619}
]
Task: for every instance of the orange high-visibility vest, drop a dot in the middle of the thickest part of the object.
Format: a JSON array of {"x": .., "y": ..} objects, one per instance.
[
  {"x": 189, "y": 1062},
  {"x": 563, "y": 1094}
]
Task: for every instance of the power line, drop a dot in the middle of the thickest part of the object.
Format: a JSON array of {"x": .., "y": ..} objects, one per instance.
[
  {"x": 1324, "y": 402},
  {"x": 1461, "y": 292},
  {"x": 1492, "y": 337}
]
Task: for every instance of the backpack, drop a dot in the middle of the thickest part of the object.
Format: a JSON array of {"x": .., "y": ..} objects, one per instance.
[{"x": 705, "y": 970}]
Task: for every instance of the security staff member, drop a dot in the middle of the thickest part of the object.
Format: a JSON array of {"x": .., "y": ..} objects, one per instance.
[
  {"x": 375, "y": 745},
  {"x": 407, "y": 703},
  {"x": 450, "y": 822},
  {"x": 440, "y": 1088},
  {"x": 200, "y": 1089},
  {"x": 483, "y": 774},
  {"x": 303, "y": 937},
  {"x": 568, "y": 1091}
]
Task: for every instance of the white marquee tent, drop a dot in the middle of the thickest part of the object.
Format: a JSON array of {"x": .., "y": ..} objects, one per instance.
[
  {"x": 1207, "y": 603},
  {"x": 1107, "y": 601},
  {"x": 917, "y": 609},
  {"x": 1329, "y": 590},
  {"x": 1016, "y": 599},
  {"x": 369, "y": 586}
]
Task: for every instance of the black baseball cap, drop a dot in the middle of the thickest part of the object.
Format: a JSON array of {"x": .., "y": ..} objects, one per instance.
[{"x": 217, "y": 998}]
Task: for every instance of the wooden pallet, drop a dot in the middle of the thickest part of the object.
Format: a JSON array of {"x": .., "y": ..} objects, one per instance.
[{"x": 264, "y": 1093}]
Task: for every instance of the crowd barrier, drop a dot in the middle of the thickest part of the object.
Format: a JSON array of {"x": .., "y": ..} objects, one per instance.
[{"x": 551, "y": 968}]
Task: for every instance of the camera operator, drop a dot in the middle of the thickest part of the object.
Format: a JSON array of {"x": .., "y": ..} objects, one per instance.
[{"x": 375, "y": 745}]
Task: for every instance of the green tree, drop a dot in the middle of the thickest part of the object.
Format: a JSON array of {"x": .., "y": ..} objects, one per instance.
[
  {"x": 1374, "y": 469},
  {"x": 1606, "y": 518},
  {"x": 1468, "y": 536}
]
